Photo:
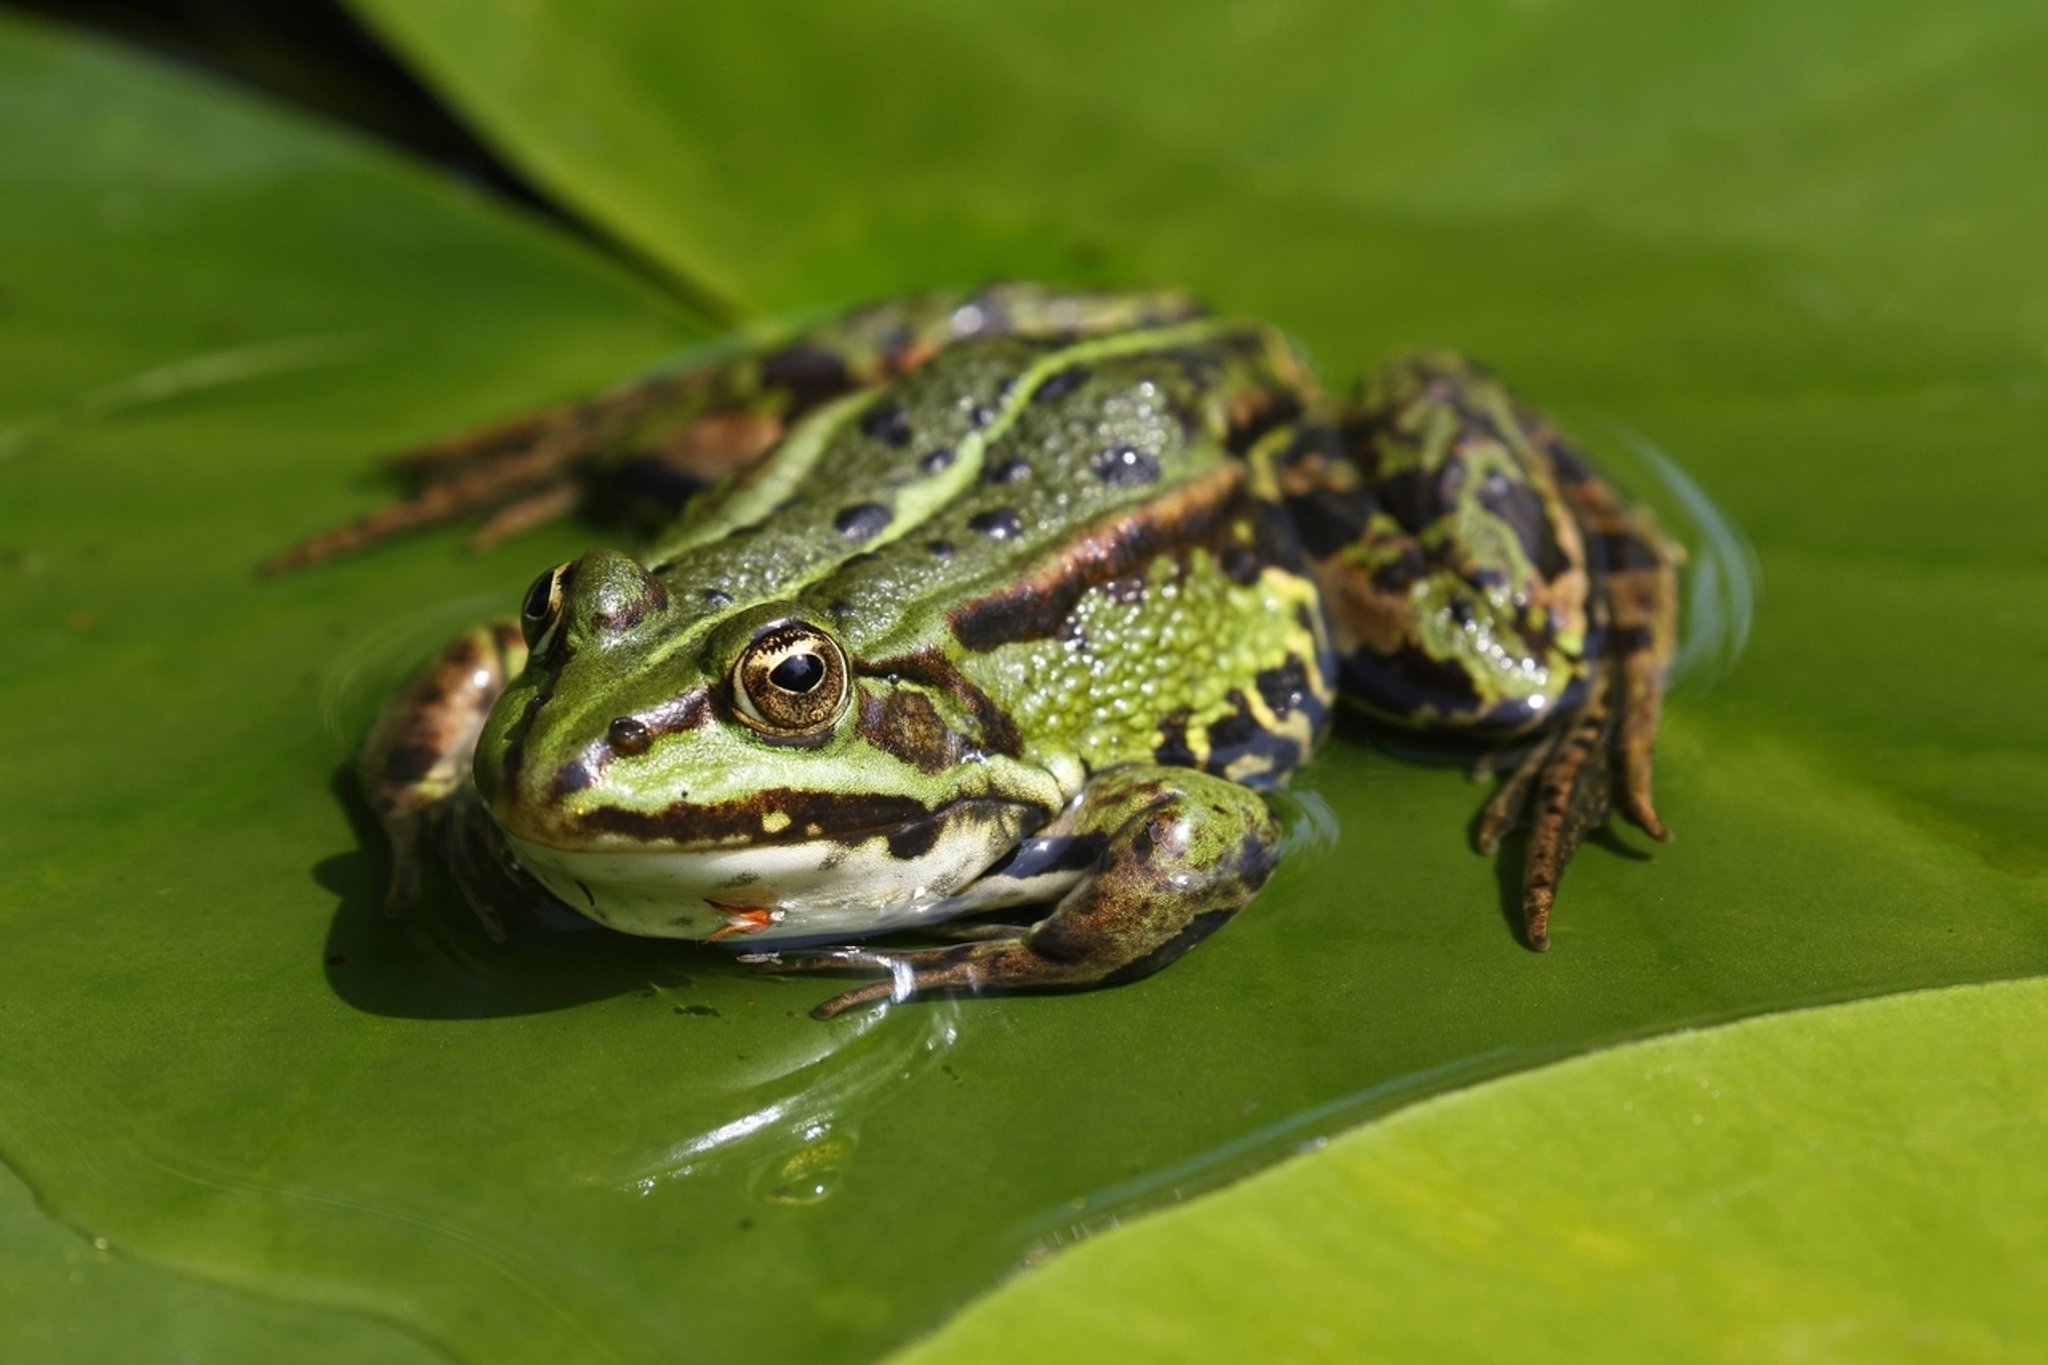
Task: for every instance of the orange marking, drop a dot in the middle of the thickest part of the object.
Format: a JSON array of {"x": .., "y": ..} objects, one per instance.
[{"x": 751, "y": 920}]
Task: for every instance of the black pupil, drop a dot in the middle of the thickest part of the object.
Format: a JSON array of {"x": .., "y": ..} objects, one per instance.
[
  {"x": 798, "y": 673},
  {"x": 538, "y": 596}
]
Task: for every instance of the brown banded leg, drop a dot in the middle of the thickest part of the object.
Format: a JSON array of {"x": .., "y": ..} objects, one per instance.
[
  {"x": 1638, "y": 583},
  {"x": 414, "y": 763},
  {"x": 529, "y": 471},
  {"x": 1183, "y": 851},
  {"x": 1465, "y": 548},
  {"x": 1563, "y": 784},
  {"x": 657, "y": 438},
  {"x": 1600, "y": 753}
]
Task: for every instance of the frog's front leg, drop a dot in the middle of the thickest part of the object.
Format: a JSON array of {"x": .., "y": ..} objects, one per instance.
[
  {"x": 1482, "y": 578},
  {"x": 1182, "y": 851},
  {"x": 414, "y": 764}
]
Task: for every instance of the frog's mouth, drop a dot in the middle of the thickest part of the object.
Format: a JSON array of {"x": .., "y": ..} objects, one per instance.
[{"x": 785, "y": 878}]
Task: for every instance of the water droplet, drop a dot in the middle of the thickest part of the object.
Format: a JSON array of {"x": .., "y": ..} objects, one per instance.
[{"x": 807, "y": 1175}]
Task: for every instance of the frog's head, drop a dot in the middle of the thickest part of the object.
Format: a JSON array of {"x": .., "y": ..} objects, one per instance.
[{"x": 697, "y": 769}]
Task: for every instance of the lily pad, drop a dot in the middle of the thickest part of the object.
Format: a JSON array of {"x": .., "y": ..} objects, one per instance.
[
  {"x": 1771, "y": 270},
  {"x": 1863, "y": 1182}
]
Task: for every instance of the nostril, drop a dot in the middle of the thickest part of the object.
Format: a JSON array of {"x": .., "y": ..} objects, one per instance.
[{"x": 629, "y": 736}]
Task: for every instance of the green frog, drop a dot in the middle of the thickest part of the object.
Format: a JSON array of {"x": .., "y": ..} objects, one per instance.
[{"x": 989, "y": 615}]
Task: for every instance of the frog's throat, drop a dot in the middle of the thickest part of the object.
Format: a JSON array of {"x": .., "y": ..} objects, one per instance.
[{"x": 848, "y": 883}]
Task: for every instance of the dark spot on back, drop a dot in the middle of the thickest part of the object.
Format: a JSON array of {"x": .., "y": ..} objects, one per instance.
[
  {"x": 887, "y": 423},
  {"x": 1417, "y": 497},
  {"x": 1007, "y": 471},
  {"x": 1001, "y": 523},
  {"x": 943, "y": 549},
  {"x": 1233, "y": 731},
  {"x": 1060, "y": 384},
  {"x": 1328, "y": 520},
  {"x": 809, "y": 373},
  {"x": 1240, "y": 564},
  {"x": 1173, "y": 747},
  {"x": 717, "y": 597},
  {"x": 1125, "y": 466},
  {"x": 936, "y": 461},
  {"x": 1285, "y": 687},
  {"x": 862, "y": 521}
]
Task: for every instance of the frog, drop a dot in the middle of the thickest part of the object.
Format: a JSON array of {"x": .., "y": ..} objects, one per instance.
[{"x": 989, "y": 620}]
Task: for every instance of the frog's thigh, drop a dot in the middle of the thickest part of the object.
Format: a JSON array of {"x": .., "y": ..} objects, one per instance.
[
  {"x": 418, "y": 754},
  {"x": 1183, "y": 851}
]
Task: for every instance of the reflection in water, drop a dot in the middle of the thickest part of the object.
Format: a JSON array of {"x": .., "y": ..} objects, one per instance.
[
  {"x": 794, "y": 1127},
  {"x": 1720, "y": 573},
  {"x": 1307, "y": 824}
]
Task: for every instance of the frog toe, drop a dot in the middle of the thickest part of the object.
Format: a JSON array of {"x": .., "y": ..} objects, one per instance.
[{"x": 1006, "y": 963}]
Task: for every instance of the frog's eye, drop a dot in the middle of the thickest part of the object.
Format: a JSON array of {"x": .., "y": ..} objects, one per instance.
[
  {"x": 541, "y": 613},
  {"x": 790, "y": 681}
]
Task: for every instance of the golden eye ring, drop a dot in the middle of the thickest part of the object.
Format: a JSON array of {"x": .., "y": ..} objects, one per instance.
[{"x": 791, "y": 681}]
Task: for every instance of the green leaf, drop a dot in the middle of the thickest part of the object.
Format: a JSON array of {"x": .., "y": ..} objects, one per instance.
[
  {"x": 1795, "y": 252},
  {"x": 1864, "y": 1182},
  {"x": 63, "y": 1297}
]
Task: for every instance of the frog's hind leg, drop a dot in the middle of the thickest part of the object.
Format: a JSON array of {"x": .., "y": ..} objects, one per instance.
[
  {"x": 1636, "y": 579},
  {"x": 1566, "y": 776},
  {"x": 635, "y": 452},
  {"x": 1482, "y": 578},
  {"x": 1182, "y": 852},
  {"x": 666, "y": 435}
]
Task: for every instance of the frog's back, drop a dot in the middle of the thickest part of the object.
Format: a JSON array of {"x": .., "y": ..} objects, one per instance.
[{"x": 1062, "y": 531}]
